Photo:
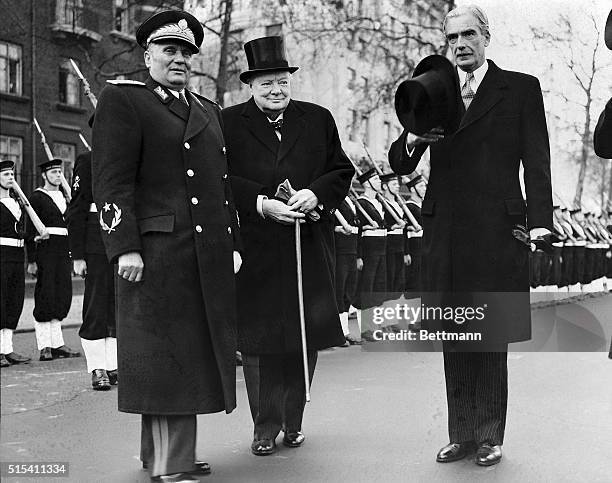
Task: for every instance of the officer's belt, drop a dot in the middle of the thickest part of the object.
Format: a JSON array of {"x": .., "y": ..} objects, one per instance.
[
  {"x": 414, "y": 234},
  {"x": 397, "y": 231},
  {"x": 56, "y": 230},
  {"x": 93, "y": 208},
  {"x": 377, "y": 232},
  {"x": 11, "y": 242}
]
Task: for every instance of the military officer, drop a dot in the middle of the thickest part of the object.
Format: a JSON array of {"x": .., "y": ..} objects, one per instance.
[
  {"x": 89, "y": 261},
  {"x": 12, "y": 280},
  {"x": 272, "y": 138},
  {"x": 49, "y": 262},
  {"x": 166, "y": 209}
]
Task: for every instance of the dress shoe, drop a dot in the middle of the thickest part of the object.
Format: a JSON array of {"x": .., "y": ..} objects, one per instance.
[
  {"x": 454, "y": 452},
  {"x": 293, "y": 439},
  {"x": 99, "y": 380},
  {"x": 46, "y": 354},
  {"x": 352, "y": 340},
  {"x": 488, "y": 454},
  {"x": 3, "y": 361},
  {"x": 263, "y": 447},
  {"x": 64, "y": 352},
  {"x": 15, "y": 358},
  {"x": 113, "y": 377},
  {"x": 175, "y": 478},
  {"x": 201, "y": 468}
]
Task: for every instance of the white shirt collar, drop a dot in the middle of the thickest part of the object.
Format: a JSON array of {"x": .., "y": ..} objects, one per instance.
[
  {"x": 176, "y": 93},
  {"x": 280, "y": 116},
  {"x": 478, "y": 76}
]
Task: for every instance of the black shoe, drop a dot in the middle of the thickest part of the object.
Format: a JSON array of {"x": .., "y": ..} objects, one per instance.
[
  {"x": 46, "y": 354},
  {"x": 3, "y": 361},
  {"x": 64, "y": 352},
  {"x": 15, "y": 358},
  {"x": 454, "y": 452},
  {"x": 293, "y": 439},
  {"x": 99, "y": 380},
  {"x": 201, "y": 468},
  {"x": 488, "y": 454},
  {"x": 113, "y": 377},
  {"x": 263, "y": 447},
  {"x": 176, "y": 478}
]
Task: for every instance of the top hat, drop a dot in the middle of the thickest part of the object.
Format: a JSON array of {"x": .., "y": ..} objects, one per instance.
[
  {"x": 6, "y": 164},
  {"x": 385, "y": 178},
  {"x": 608, "y": 31},
  {"x": 430, "y": 98},
  {"x": 171, "y": 25},
  {"x": 264, "y": 55},
  {"x": 50, "y": 164},
  {"x": 370, "y": 173}
]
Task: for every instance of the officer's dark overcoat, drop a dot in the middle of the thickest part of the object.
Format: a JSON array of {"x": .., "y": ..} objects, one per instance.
[
  {"x": 161, "y": 186},
  {"x": 309, "y": 156},
  {"x": 474, "y": 199}
]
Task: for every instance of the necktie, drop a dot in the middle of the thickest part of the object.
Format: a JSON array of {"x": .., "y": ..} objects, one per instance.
[
  {"x": 277, "y": 125},
  {"x": 466, "y": 91},
  {"x": 183, "y": 98}
]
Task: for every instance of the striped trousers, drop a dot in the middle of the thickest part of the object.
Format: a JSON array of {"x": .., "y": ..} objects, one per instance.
[
  {"x": 477, "y": 395},
  {"x": 167, "y": 443}
]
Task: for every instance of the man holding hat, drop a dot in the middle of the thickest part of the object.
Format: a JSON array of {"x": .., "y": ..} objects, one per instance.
[
  {"x": 272, "y": 138},
  {"x": 49, "y": 262},
  {"x": 166, "y": 209},
  {"x": 12, "y": 282},
  {"x": 493, "y": 120}
]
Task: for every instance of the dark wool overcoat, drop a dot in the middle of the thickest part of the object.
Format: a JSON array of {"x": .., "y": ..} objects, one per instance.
[
  {"x": 474, "y": 199},
  {"x": 309, "y": 156},
  {"x": 161, "y": 187}
]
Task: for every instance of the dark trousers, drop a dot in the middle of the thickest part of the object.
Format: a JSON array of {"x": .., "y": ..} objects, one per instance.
[
  {"x": 477, "y": 395},
  {"x": 346, "y": 280},
  {"x": 53, "y": 290},
  {"x": 98, "y": 299},
  {"x": 372, "y": 280},
  {"x": 167, "y": 443},
  {"x": 395, "y": 272},
  {"x": 277, "y": 396},
  {"x": 12, "y": 288}
]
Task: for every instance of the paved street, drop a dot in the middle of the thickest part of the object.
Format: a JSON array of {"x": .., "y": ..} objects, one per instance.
[{"x": 375, "y": 416}]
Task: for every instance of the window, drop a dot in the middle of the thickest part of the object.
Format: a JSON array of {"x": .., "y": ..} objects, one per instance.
[
  {"x": 387, "y": 133},
  {"x": 68, "y": 12},
  {"x": 10, "y": 68},
  {"x": 67, "y": 153},
  {"x": 352, "y": 75},
  {"x": 69, "y": 85},
  {"x": 364, "y": 130},
  {"x": 11, "y": 148},
  {"x": 234, "y": 60},
  {"x": 353, "y": 131},
  {"x": 364, "y": 83},
  {"x": 275, "y": 29},
  {"x": 124, "y": 17}
]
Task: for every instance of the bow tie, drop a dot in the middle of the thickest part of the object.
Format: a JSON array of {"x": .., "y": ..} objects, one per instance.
[{"x": 277, "y": 125}]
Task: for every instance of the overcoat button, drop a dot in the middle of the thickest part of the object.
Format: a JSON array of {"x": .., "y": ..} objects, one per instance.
[
  {"x": 229, "y": 229},
  {"x": 198, "y": 228},
  {"x": 226, "y": 202},
  {"x": 194, "y": 201},
  {"x": 187, "y": 145},
  {"x": 190, "y": 172},
  {"x": 225, "y": 176}
]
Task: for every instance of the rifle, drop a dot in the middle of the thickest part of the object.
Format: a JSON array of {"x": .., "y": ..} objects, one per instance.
[
  {"x": 43, "y": 140},
  {"x": 360, "y": 208},
  {"x": 345, "y": 224},
  {"x": 86, "y": 86},
  {"x": 36, "y": 221},
  {"x": 84, "y": 141}
]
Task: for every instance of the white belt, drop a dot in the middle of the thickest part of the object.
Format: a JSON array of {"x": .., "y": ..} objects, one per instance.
[
  {"x": 378, "y": 232},
  {"x": 580, "y": 243},
  {"x": 415, "y": 234},
  {"x": 11, "y": 242},
  {"x": 397, "y": 231},
  {"x": 93, "y": 208},
  {"x": 55, "y": 230},
  {"x": 557, "y": 244}
]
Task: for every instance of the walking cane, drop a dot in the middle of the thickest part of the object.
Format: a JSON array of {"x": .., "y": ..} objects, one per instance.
[{"x": 298, "y": 257}]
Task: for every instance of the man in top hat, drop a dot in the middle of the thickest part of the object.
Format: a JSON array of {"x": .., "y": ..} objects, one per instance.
[
  {"x": 472, "y": 203},
  {"x": 89, "y": 261},
  {"x": 602, "y": 137},
  {"x": 166, "y": 209},
  {"x": 12, "y": 279},
  {"x": 49, "y": 262},
  {"x": 272, "y": 138}
]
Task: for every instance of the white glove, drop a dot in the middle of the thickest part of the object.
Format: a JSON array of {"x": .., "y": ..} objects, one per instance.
[{"x": 237, "y": 262}]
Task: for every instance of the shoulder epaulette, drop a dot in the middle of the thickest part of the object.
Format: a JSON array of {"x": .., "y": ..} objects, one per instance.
[{"x": 125, "y": 82}]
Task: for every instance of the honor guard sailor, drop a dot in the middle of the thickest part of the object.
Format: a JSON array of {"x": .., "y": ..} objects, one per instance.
[
  {"x": 167, "y": 213},
  {"x": 12, "y": 277},
  {"x": 49, "y": 261}
]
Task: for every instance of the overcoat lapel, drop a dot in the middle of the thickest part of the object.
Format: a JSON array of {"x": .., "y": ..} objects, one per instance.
[
  {"x": 257, "y": 123},
  {"x": 293, "y": 126},
  {"x": 489, "y": 93},
  {"x": 174, "y": 105},
  {"x": 198, "y": 118}
]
